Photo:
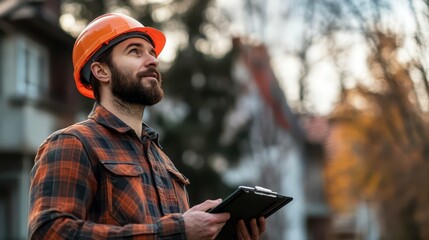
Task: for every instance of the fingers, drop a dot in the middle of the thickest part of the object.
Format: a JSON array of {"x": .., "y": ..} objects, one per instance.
[
  {"x": 203, "y": 225},
  {"x": 256, "y": 230},
  {"x": 242, "y": 230},
  {"x": 220, "y": 226},
  {"x": 213, "y": 230},
  {"x": 262, "y": 225},
  {"x": 221, "y": 217},
  {"x": 206, "y": 205}
]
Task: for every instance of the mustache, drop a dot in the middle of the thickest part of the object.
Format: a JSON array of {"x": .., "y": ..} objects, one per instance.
[{"x": 150, "y": 72}]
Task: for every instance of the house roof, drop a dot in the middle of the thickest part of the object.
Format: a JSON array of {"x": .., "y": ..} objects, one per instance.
[
  {"x": 32, "y": 16},
  {"x": 257, "y": 61}
]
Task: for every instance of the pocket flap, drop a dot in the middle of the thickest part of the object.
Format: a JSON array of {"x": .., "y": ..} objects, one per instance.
[
  {"x": 123, "y": 168},
  {"x": 180, "y": 177}
]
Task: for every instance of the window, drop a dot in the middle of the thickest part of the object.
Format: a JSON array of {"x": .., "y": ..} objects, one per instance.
[{"x": 31, "y": 68}]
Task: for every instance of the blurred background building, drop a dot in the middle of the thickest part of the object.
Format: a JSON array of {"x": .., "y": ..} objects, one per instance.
[{"x": 37, "y": 96}]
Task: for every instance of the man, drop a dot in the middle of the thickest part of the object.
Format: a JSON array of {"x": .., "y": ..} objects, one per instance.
[{"x": 107, "y": 177}]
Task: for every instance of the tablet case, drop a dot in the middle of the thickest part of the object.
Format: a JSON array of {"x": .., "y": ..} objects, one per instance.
[{"x": 247, "y": 203}]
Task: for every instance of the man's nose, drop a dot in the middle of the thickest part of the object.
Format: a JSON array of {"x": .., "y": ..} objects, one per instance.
[{"x": 151, "y": 61}]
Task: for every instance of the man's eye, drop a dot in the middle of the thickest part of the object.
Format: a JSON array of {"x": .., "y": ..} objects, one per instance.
[{"x": 134, "y": 50}]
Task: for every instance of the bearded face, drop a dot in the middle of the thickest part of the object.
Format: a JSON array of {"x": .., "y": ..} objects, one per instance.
[{"x": 139, "y": 89}]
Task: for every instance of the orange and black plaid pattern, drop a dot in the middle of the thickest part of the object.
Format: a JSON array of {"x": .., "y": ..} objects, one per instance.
[{"x": 98, "y": 180}]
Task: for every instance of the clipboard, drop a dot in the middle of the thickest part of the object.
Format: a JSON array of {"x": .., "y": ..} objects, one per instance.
[{"x": 247, "y": 203}]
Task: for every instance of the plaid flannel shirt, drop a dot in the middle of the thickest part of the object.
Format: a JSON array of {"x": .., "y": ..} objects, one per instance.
[{"x": 98, "y": 180}]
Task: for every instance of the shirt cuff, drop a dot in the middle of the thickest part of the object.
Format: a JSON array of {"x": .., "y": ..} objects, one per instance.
[{"x": 172, "y": 226}]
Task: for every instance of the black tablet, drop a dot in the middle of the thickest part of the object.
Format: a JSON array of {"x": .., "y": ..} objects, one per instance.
[{"x": 247, "y": 203}]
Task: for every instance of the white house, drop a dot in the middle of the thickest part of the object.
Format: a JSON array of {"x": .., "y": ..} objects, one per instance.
[{"x": 280, "y": 156}]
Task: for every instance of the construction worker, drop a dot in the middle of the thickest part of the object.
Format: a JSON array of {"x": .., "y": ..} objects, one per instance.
[{"x": 107, "y": 177}]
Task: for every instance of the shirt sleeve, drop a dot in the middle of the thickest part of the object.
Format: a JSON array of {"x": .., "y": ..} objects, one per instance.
[{"x": 61, "y": 191}]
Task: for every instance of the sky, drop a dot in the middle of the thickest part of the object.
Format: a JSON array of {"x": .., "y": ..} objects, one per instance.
[{"x": 284, "y": 37}]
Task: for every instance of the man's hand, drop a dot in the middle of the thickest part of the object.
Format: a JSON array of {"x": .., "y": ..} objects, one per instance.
[
  {"x": 200, "y": 224},
  {"x": 256, "y": 230}
]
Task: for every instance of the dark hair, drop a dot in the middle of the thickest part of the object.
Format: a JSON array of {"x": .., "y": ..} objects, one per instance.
[{"x": 105, "y": 57}]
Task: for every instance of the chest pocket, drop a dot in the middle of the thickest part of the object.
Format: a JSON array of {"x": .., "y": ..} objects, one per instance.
[
  {"x": 124, "y": 191},
  {"x": 179, "y": 184}
]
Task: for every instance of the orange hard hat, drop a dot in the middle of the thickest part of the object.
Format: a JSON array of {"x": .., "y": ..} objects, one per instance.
[{"x": 102, "y": 33}]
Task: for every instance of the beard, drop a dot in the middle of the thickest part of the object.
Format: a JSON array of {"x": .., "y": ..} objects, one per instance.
[{"x": 130, "y": 89}]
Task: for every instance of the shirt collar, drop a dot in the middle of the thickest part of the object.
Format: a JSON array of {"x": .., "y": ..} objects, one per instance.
[
  {"x": 148, "y": 132},
  {"x": 101, "y": 115}
]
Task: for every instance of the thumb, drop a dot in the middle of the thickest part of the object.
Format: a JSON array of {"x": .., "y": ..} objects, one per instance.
[{"x": 206, "y": 205}]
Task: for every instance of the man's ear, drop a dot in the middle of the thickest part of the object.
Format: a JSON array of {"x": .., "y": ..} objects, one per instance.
[{"x": 101, "y": 71}]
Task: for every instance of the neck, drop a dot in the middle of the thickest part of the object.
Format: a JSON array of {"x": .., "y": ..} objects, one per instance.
[{"x": 131, "y": 114}]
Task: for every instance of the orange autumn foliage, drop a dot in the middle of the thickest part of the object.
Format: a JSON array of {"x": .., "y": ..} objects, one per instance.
[{"x": 380, "y": 152}]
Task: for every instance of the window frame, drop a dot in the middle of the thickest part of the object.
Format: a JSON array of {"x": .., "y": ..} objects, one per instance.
[{"x": 32, "y": 68}]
